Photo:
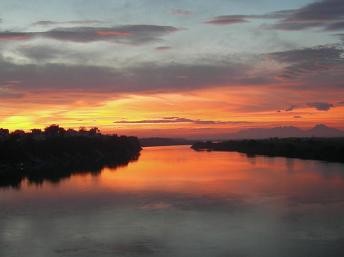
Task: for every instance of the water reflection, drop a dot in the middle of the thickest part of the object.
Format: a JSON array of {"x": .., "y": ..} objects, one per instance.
[
  {"x": 58, "y": 173},
  {"x": 177, "y": 202}
]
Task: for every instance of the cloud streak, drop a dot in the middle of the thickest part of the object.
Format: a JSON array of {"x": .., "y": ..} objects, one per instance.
[
  {"x": 163, "y": 48},
  {"x": 75, "y": 22},
  {"x": 127, "y": 34},
  {"x": 228, "y": 20},
  {"x": 238, "y": 18},
  {"x": 320, "y": 106},
  {"x": 167, "y": 120}
]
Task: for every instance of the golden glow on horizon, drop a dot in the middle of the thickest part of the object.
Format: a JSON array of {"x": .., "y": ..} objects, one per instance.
[{"x": 242, "y": 107}]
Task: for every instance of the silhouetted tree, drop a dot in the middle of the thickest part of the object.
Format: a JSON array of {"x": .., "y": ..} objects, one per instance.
[
  {"x": 61, "y": 131},
  {"x": 94, "y": 131},
  {"x": 83, "y": 131},
  {"x": 71, "y": 132},
  {"x": 36, "y": 131},
  {"x": 4, "y": 132},
  {"x": 18, "y": 133},
  {"x": 58, "y": 153},
  {"x": 52, "y": 130}
]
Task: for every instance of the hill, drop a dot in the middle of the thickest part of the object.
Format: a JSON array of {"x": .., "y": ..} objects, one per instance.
[{"x": 319, "y": 130}]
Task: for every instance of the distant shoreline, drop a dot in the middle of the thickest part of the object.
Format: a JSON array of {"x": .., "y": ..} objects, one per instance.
[
  {"x": 162, "y": 141},
  {"x": 322, "y": 149}
]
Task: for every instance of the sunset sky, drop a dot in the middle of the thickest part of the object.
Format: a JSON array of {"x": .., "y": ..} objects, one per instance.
[{"x": 171, "y": 68}]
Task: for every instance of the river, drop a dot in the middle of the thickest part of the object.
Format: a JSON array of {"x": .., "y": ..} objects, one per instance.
[{"x": 176, "y": 202}]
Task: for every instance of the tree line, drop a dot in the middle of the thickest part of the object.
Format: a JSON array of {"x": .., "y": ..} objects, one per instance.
[
  {"x": 55, "y": 153},
  {"x": 325, "y": 149}
]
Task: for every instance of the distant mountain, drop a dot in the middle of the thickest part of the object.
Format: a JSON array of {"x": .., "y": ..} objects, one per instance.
[{"x": 319, "y": 130}]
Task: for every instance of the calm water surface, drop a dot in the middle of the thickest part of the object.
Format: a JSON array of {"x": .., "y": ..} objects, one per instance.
[{"x": 177, "y": 202}]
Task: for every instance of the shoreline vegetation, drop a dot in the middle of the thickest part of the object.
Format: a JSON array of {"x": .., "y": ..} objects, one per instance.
[
  {"x": 322, "y": 149},
  {"x": 56, "y": 153},
  {"x": 163, "y": 141}
]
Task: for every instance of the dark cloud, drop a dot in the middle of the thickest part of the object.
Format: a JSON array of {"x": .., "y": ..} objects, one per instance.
[
  {"x": 328, "y": 53},
  {"x": 321, "y": 106},
  {"x": 260, "y": 79},
  {"x": 324, "y": 13},
  {"x": 43, "y": 74},
  {"x": 145, "y": 77},
  {"x": 180, "y": 76},
  {"x": 336, "y": 26},
  {"x": 76, "y": 22},
  {"x": 41, "y": 53},
  {"x": 130, "y": 34},
  {"x": 179, "y": 120},
  {"x": 45, "y": 23},
  {"x": 232, "y": 19},
  {"x": 310, "y": 61},
  {"x": 297, "y": 117},
  {"x": 228, "y": 19},
  {"x": 163, "y": 48},
  {"x": 54, "y": 53}
]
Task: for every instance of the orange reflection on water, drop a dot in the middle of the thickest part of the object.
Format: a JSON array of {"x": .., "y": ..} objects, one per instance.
[
  {"x": 182, "y": 170},
  {"x": 207, "y": 202}
]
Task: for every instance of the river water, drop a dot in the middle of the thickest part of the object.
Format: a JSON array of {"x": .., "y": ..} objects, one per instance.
[{"x": 176, "y": 202}]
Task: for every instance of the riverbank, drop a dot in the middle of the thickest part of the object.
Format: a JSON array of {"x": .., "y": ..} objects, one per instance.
[
  {"x": 324, "y": 149},
  {"x": 56, "y": 154},
  {"x": 161, "y": 141}
]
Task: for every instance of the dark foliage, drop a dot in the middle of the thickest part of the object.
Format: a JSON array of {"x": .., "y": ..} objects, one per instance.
[
  {"x": 325, "y": 149},
  {"x": 161, "y": 141},
  {"x": 57, "y": 153}
]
